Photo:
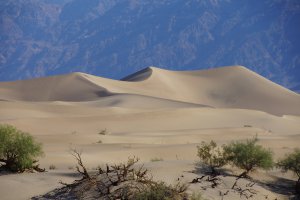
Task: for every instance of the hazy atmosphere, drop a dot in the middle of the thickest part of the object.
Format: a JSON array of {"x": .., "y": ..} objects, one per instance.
[{"x": 149, "y": 100}]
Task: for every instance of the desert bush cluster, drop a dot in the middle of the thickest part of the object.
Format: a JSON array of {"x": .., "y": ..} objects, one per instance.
[
  {"x": 248, "y": 156},
  {"x": 121, "y": 181},
  {"x": 18, "y": 150},
  {"x": 211, "y": 155},
  {"x": 292, "y": 162}
]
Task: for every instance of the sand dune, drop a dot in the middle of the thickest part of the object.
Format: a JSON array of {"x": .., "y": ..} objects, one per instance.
[
  {"x": 152, "y": 113},
  {"x": 228, "y": 87},
  {"x": 71, "y": 87}
]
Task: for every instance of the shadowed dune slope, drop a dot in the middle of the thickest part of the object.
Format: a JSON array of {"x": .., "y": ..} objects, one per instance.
[
  {"x": 138, "y": 101},
  {"x": 226, "y": 87},
  {"x": 71, "y": 87}
]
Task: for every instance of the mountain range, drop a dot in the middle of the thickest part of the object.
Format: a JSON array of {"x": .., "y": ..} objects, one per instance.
[{"x": 114, "y": 38}]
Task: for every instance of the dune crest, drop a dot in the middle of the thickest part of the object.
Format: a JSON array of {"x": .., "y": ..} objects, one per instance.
[
  {"x": 225, "y": 87},
  {"x": 140, "y": 75}
]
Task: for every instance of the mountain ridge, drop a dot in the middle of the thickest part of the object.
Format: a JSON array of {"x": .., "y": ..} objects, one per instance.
[{"x": 115, "y": 38}]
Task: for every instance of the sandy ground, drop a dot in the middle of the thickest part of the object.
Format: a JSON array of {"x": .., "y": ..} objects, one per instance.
[{"x": 153, "y": 114}]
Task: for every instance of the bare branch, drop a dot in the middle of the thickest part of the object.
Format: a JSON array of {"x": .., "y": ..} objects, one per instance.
[{"x": 83, "y": 171}]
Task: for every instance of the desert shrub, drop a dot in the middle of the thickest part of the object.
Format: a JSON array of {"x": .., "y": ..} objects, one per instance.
[
  {"x": 103, "y": 132},
  {"x": 122, "y": 181},
  {"x": 80, "y": 168},
  {"x": 211, "y": 155},
  {"x": 18, "y": 150},
  {"x": 159, "y": 191},
  {"x": 248, "y": 156},
  {"x": 196, "y": 196},
  {"x": 292, "y": 162},
  {"x": 70, "y": 167},
  {"x": 99, "y": 141},
  {"x": 156, "y": 159},
  {"x": 52, "y": 167}
]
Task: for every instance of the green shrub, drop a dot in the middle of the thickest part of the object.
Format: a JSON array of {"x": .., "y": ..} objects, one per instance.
[
  {"x": 52, "y": 167},
  {"x": 103, "y": 132},
  {"x": 211, "y": 155},
  {"x": 196, "y": 196},
  {"x": 292, "y": 162},
  {"x": 159, "y": 191},
  {"x": 156, "y": 159},
  {"x": 18, "y": 150},
  {"x": 248, "y": 156}
]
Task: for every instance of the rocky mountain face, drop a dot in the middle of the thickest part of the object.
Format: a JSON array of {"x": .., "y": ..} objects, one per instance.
[{"x": 114, "y": 38}]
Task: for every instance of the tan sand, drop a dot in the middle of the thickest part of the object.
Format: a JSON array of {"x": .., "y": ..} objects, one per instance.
[{"x": 154, "y": 113}]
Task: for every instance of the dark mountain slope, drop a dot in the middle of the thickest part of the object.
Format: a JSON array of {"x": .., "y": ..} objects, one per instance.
[{"x": 113, "y": 38}]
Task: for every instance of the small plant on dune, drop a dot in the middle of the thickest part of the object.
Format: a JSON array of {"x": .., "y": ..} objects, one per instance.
[
  {"x": 211, "y": 155},
  {"x": 156, "y": 159},
  {"x": 292, "y": 162},
  {"x": 70, "y": 167},
  {"x": 248, "y": 156},
  {"x": 103, "y": 132},
  {"x": 52, "y": 167},
  {"x": 196, "y": 196},
  {"x": 161, "y": 191},
  {"x": 18, "y": 150}
]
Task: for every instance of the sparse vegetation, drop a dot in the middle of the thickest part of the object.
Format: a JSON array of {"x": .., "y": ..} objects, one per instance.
[
  {"x": 18, "y": 150},
  {"x": 99, "y": 141},
  {"x": 70, "y": 167},
  {"x": 211, "y": 155},
  {"x": 81, "y": 169},
  {"x": 52, "y": 167},
  {"x": 292, "y": 162},
  {"x": 196, "y": 196},
  {"x": 156, "y": 159},
  {"x": 119, "y": 181},
  {"x": 248, "y": 156},
  {"x": 103, "y": 132},
  {"x": 128, "y": 181},
  {"x": 159, "y": 191}
]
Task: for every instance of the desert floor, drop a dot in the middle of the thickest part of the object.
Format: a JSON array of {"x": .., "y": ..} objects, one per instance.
[{"x": 149, "y": 126}]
